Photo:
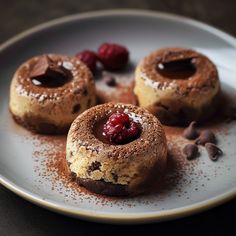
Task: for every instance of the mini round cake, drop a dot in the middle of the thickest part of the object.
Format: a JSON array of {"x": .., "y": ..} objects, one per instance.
[
  {"x": 48, "y": 92},
  {"x": 116, "y": 149},
  {"x": 177, "y": 85}
]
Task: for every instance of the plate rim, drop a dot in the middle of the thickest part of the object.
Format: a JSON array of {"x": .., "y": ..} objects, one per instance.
[{"x": 118, "y": 217}]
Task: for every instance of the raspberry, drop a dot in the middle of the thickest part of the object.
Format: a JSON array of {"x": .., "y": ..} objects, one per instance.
[
  {"x": 113, "y": 56},
  {"x": 89, "y": 58},
  {"x": 121, "y": 129}
]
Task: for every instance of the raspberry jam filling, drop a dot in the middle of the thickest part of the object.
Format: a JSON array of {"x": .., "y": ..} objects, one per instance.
[
  {"x": 118, "y": 128},
  {"x": 178, "y": 69}
]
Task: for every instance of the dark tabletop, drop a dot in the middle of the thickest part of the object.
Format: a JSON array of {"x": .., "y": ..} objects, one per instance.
[{"x": 19, "y": 217}]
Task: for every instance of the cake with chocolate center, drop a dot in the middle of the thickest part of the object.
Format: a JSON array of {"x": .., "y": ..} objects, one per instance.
[
  {"x": 48, "y": 92},
  {"x": 178, "y": 85},
  {"x": 116, "y": 149}
]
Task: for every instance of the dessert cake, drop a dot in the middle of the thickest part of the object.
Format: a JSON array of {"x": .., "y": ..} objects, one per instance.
[
  {"x": 48, "y": 92},
  {"x": 178, "y": 85},
  {"x": 116, "y": 149}
]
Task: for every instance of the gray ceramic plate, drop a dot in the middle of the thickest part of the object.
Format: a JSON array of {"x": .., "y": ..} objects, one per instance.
[{"x": 208, "y": 184}]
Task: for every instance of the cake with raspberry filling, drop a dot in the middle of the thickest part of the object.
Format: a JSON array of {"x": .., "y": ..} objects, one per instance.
[{"x": 116, "y": 149}]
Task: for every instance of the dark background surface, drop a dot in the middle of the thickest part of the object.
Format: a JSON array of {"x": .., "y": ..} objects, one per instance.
[{"x": 18, "y": 217}]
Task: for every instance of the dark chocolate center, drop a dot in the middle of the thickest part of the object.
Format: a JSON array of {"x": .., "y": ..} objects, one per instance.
[
  {"x": 98, "y": 130},
  {"x": 178, "y": 69},
  {"x": 50, "y": 82}
]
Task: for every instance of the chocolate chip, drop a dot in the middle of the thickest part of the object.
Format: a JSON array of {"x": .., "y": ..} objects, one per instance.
[
  {"x": 190, "y": 132},
  {"x": 206, "y": 136},
  {"x": 115, "y": 176},
  {"x": 48, "y": 73},
  {"x": 85, "y": 92},
  {"x": 94, "y": 166},
  {"x": 190, "y": 151},
  {"x": 89, "y": 103},
  {"x": 73, "y": 176},
  {"x": 109, "y": 80},
  {"x": 213, "y": 151},
  {"x": 76, "y": 108}
]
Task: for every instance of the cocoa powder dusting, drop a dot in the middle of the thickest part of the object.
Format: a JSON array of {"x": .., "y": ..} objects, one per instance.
[
  {"x": 50, "y": 158},
  {"x": 177, "y": 165},
  {"x": 54, "y": 154},
  {"x": 50, "y": 164}
]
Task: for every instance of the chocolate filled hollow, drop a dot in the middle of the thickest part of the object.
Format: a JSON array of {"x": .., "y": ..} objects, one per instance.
[
  {"x": 177, "y": 85},
  {"x": 177, "y": 69},
  {"x": 47, "y": 93}
]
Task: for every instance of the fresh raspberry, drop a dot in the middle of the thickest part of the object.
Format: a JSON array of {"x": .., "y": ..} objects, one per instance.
[
  {"x": 89, "y": 58},
  {"x": 121, "y": 129},
  {"x": 113, "y": 56}
]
